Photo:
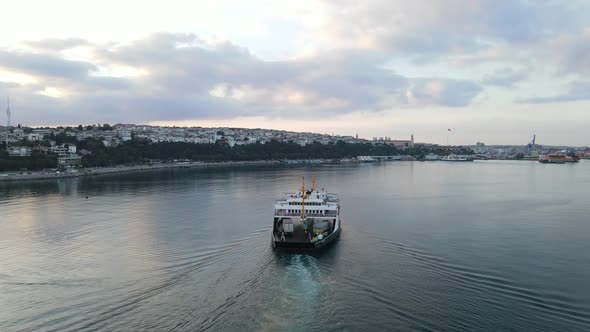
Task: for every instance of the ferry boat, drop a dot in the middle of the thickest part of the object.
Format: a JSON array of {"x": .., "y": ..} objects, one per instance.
[
  {"x": 306, "y": 219},
  {"x": 558, "y": 158},
  {"x": 454, "y": 157}
]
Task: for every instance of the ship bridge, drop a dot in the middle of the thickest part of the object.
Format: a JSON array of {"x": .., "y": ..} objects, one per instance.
[{"x": 310, "y": 203}]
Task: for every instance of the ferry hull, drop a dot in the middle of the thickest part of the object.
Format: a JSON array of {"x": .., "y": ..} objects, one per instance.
[
  {"x": 552, "y": 161},
  {"x": 278, "y": 244}
]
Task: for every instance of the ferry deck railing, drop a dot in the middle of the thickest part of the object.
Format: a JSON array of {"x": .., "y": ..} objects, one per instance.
[{"x": 294, "y": 214}]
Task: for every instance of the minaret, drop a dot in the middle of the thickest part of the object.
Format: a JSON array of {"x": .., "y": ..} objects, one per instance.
[
  {"x": 8, "y": 111},
  {"x": 412, "y": 141}
]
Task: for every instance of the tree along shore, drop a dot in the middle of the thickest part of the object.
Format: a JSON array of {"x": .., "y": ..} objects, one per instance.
[
  {"x": 46, "y": 175},
  {"x": 96, "y": 154}
]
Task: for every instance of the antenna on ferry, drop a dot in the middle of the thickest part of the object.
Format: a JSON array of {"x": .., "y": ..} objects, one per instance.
[
  {"x": 313, "y": 183},
  {"x": 303, "y": 184}
]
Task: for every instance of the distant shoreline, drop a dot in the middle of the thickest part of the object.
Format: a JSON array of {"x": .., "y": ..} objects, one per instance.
[
  {"x": 94, "y": 171},
  {"x": 40, "y": 175}
]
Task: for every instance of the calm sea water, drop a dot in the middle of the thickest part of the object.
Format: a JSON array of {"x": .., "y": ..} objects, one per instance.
[{"x": 431, "y": 246}]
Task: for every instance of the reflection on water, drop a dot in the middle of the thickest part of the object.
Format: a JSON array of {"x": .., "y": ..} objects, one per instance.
[{"x": 425, "y": 246}]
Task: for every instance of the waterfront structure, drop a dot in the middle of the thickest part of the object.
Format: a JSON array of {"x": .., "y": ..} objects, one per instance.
[
  {"x": 19, "y": 151},
  {"x": 69, "y": 160}
]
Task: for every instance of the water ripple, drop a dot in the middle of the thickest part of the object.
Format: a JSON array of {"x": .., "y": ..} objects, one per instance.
[{"x": 558, "y": 305}]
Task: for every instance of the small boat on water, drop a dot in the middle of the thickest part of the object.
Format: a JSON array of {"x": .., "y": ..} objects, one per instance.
[
  {"x": 454, "y": 157},
  {"x": 366, "y": 159},
  {"x": 349, "y": 161},
  {"x": 307, "y": 219},
  {"x": 558, "y": 158}
]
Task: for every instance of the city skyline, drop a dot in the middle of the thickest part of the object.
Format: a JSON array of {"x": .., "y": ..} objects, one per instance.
[
  {"x": 494, "y": 72},
  {"x": 325, "y": 135}
]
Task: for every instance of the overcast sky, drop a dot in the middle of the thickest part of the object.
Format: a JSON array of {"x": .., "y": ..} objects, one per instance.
[{"x": 493, "y": 71}]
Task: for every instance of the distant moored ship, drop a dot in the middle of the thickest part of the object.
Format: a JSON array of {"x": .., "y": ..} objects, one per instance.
[
  {"x": 307, "y": 219},
  {"x": 454, "y": 157},
  {"x": 558, "y": 158}
]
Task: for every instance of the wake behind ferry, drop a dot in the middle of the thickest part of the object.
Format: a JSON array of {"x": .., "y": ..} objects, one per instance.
[{"x": 307, "y": 219}]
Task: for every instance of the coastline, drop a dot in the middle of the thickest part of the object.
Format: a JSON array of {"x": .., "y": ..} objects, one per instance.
[
  {"x": 45, "y": 175},
  {"x": 6, "y": 177}
]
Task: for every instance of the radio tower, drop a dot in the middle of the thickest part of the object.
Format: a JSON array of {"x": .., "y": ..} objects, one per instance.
[{"x": 8, "y": 111}]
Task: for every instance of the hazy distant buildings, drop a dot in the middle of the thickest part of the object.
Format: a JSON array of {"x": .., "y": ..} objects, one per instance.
[
  {"x": 480, "y": 148},
  {"x": 18, "y": 133},
  {"x": 19, "y": 151},
  {"x": 69, "y": 160},
  {"x": 33, "y": 137},
  {"x": 8, "y": 113},
  {"x": 401, "y": 144}
]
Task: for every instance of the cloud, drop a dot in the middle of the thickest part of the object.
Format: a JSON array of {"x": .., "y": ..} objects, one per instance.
[
  {"x": 571, "y": 52},
  {"x": 505, "y": 77},
  {"x": 56, "y": 44},
  {"x": 184, "y": 77},
  {"x": 577, "y": 90},
  {"x": 44, "y": 65},
  {"x": 430, "y": 29},
  {"x": 442, "y": 92}
]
